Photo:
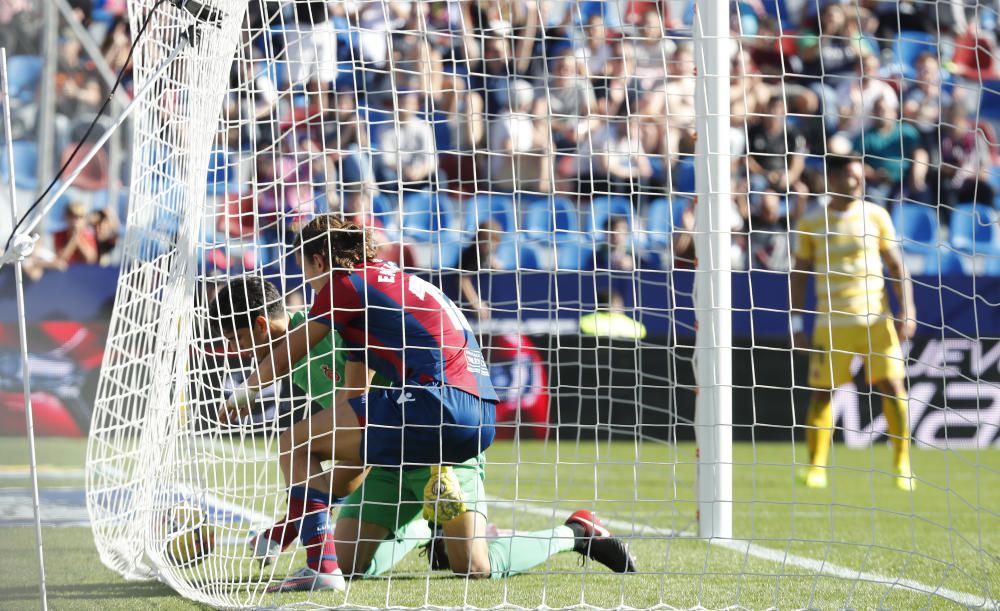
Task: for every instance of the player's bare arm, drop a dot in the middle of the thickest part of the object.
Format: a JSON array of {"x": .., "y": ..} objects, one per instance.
[
  {"x": 291, "y": 349},
  {"x": 799, "y": 285},
  {"x": 896, "y": 272}
]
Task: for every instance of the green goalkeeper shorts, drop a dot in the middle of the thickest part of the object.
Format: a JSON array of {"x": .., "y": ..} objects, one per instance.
[{"x": 392, "y": 498}]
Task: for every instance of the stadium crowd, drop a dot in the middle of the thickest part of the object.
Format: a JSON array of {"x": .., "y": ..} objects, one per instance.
[{"x": 438, "y": 122}]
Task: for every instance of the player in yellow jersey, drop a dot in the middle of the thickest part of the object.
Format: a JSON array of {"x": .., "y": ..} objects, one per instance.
[{"x": 845, "y": 246}]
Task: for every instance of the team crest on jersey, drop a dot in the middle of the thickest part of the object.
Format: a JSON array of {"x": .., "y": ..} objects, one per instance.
[{"x": 331, "y": 374}]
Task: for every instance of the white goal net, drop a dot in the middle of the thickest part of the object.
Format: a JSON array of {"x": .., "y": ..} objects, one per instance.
[{"x": 565, "y": 185}]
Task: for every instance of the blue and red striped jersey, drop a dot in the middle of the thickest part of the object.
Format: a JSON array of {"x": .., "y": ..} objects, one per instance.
[{"x": 409, "y": 331}]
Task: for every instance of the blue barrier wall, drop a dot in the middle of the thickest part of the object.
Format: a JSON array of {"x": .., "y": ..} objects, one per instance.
[{"x": 952, "y": 306}]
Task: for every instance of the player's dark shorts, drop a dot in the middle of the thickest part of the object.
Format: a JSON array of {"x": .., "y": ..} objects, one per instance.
[{"x": 422, "y": 425}]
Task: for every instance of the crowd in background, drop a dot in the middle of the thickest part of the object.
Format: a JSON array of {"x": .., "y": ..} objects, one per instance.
[{"x": 381, "y": 110}]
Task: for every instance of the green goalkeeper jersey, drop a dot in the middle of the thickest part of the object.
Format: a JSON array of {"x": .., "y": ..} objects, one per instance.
[{"x": 321, "y": 372}]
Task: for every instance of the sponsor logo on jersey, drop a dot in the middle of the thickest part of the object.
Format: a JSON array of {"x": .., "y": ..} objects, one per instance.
[
  {"x": 476, "y": 363},
  {"x": 331, "y": 373}
]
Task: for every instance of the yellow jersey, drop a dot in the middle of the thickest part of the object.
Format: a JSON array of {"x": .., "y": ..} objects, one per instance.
[{"x": 845, "y": 249}]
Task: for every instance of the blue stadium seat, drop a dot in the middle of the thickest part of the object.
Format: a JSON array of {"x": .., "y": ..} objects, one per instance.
[
  {"x": 572, "y": 255},
  {"x": 909, "y": 45},
  {"x": 25, "y": 164},
  {"x": 659, "y": 222},
  {"x": 446, "y": 250},
  {"x": 550, "y": 219},
  {"x": 683, "y": 175},
  {"x": 513, "y": 255},
  {"x": 348, "y": 39},
  {"x": 601, "y": 208},
  {"x": 222, "y": 175},
  {"x": 989, "y": 101},
  {"x": 916, "y": 223},
  {"x": 56, "y": 219},
  {"x": 425, "y": 214},
  {"x": 498, "y": 207},
  {"x": 24, "y": 73},
  {"x": 974, "y": 229},
  {"x": 993, "y": 178},
  {"x": 917, "y": 228},
  {"x": 779, "y": 10}
]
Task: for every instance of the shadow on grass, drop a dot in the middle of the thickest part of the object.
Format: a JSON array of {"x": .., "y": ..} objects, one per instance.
[{"x": 94, "y": 591}]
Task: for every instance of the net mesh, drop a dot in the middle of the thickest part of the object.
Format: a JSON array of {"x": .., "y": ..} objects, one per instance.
[{"x": 536, "y": 161}]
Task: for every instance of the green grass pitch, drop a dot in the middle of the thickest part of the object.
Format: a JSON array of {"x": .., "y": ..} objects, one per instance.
[{"x": 946, "y": 535}]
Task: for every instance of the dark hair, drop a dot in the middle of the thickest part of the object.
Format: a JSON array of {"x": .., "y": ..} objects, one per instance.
[
  {"x": 343, "y": 245},
  {"x": 611, "y": 221},
  {"x": 836, "y": 164},
  {"x": 240, "y": 302}
]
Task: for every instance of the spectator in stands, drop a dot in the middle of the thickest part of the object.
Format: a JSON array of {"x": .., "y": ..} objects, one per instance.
[
  {"x": 519, "y": 144},
  {"x": 346, "y": 138},
  {"x": 466, "y": 129},
  {"x": 284, "y": 201},
  {"x": 477, "y": 257},
  {"x": 896, "y": 161},
  {"x": 407, "y": 157},
  {"x": 620, "y": 165},
  {"x": 652, "y": 141},
  {"x": 81, "y": 94},
  {"x": 775, "y": 157},
  {"x": 22, "y": 23},
  {"x": 618, "y": 87},
  {"x": 572, "y": 101},
  {"x": 617, "y": 253},
  {"x": 597, "y": 49},
  {"x": 858, "y": 96},
  {"x": 525, "y": 20},
  {"x": 359, "y": 208},
  {"x": 652, "y": 50},
  {"x": 683, "y": 239},
  {"x": 117, "y": 44},
  {"x": 768, "y": 234},
  {"x": 416, "y": 64},
  {"x": 253, "y": 99},
  {"x": 501, "y": 63},
  {"x": 923, "y": 98},
  {"x": 105, "y": 226},
  {"x": 373, "y": 33},
  {"x": 830, "y": 55},
  {"x": 749, "y": 93},
  {"x": 679, "y": 101},
  {"x": 311, "y": 45},
  {"x": 77, "y": 243},
  {"x": 965, "y": 161}
]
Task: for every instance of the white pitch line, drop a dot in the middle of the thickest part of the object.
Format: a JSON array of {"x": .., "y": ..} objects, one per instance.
[
  {"x": 781, "y": 557},
  {"x": 17, "y": 472}
]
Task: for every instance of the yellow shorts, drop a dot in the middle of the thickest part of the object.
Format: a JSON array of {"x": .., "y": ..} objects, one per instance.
[{"x": 834, "y": 349}]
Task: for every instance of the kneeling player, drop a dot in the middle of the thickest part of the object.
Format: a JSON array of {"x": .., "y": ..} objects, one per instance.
[
  {"x": 440, "y": 411},
  {"x": 251, "y": 316}
]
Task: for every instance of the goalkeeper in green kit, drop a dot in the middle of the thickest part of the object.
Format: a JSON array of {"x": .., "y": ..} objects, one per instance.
[{"x": 251, "y": 316}]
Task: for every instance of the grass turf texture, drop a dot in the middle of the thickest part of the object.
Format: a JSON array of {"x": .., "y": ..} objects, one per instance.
[{"x": 946, "y": 534}]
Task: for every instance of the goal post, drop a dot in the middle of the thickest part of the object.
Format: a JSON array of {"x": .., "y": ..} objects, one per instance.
[{"x": 712, "y": 291}]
